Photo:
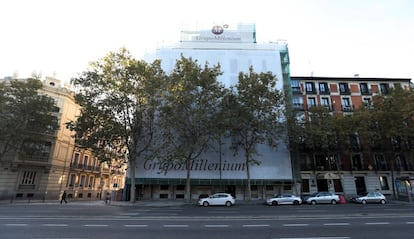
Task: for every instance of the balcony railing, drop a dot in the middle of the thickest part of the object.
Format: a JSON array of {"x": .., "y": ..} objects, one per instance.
[{"x": 347, "y": 108}]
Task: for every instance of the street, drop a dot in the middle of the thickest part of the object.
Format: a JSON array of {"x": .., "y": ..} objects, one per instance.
[{"x": 87, "y": 221}]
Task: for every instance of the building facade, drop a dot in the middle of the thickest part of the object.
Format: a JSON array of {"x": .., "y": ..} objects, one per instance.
[
  {"x": 61, "y": 166},
  {"x": 356, "y": 171},
  {"x": 235, "y": 48}
]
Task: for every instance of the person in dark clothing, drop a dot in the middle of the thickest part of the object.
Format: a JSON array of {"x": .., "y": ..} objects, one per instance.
[{"x": 63, "y": 198}]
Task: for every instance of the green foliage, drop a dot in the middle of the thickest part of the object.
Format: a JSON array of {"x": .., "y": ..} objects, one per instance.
[
  {"x": 25, "y": 114},
  {"x": 188, "y": 116},
  {"x": 119, "y": 97},
  {"x": 256, "y": 116},
  {"x": 256, "y": 113}
]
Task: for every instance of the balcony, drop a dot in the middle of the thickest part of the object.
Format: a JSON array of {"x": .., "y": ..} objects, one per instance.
[
  {"x": 324, "y": 92},
  {"x": 298, "y": 106},
  {"x": 345, "y": 92},
  {"x": 347, "y": 108},
  {"x": 296, "y": 91},
  {"x": 311, "y": 92},
  {"x": 366, "y": 92}
]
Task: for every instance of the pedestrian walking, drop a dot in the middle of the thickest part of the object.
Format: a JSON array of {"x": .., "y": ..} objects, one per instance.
[
  {"x": 108, "y": 198},
  {"x": 63, "y": 199}
]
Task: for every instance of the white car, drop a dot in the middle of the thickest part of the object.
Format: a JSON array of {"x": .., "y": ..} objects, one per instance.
[
  {"x": 322, "y": 197},
  {"x": 223, "y": 199},
  {"x": 371, "y": 197},
  {"x": 284, "y": 199}
]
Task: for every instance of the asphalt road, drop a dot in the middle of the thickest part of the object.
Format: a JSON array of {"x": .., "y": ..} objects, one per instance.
[{"x": 90, "y": 221}]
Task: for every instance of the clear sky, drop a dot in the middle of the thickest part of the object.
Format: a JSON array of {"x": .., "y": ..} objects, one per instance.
[{"x": 372, "y": 38}]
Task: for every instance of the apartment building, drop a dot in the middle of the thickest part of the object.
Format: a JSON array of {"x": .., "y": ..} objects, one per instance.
[
  {"x": 355, "y": 171},
  {"x": 61, "y": 166}
]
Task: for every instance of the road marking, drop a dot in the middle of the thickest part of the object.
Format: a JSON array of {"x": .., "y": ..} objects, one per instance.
[
  {"x": 16, "y": 224},
  {"x": 55, "y": 225},
  {"x": 314, "y": 238},
  {"x": 216, "y": 225},
  {"x": 410, "y": 222},
  {"x": 256, "y": 225},
  {"x": 135, "y": 225},
  {"x": 175, "y": 225},
  {"x": 337, "y": 224},
  {"x": 295, "y": 225},
  {"x": 95, "y": 225},
  {"x": 377, "y": 223}
]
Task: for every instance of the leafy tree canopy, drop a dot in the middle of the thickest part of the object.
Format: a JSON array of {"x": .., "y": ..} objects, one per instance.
[{"x": 25, "y": 114}]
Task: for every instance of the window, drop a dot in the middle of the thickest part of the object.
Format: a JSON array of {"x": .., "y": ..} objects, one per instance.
[
  {"x": 367, "y": 102},
  {"x": 76, "y": 158},
  {"x": 295, "y": 84},
  {"x": 85, "y": 160},
  {"x": 180, "y": 187},
  {"x": 164, "y": 187},
  {"x": 384, "y": 183},
  {"x": 344, "y": 88},
  {"x": 357, "y": 162},
  {"x": 253, "y": 187},
  {"x": 269, "y": 187},
  {"x": 309, "y": 87},
  {"x": 384, "y": 87},
  {"x": 28, "y": 178},
  {"x": 305, "y": 185},
  {"x": 346, "y": 104},
  {"x": 363, "y": 87},
  {"x": 91, "y": 182},
  {"x": 72, "y": 180},
  {"x": 311, "y": 101},
  {"x": 82, "y": 181},
  {"x": 380, "y": 162},
  {"x": 323, "y": 88}
]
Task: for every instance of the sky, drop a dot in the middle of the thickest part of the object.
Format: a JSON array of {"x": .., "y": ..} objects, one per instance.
[{"x": 336, "y": 38}]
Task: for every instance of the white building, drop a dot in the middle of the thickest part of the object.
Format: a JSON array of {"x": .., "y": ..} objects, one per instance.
[{"x": 236, "y": 49}]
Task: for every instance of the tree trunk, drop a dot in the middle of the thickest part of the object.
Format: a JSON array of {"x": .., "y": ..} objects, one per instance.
[
  {"x": 188, "y": 184},
  {"x": 249, "y": 191},
  {"x": 132, "y": 164}
]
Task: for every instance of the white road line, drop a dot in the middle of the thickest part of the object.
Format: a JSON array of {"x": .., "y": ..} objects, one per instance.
[
  {"x": 295, "y": 225},
  {"x": 175, "y": 225},
  {"x": 337, "y": 224},
  {"x": 410, "y": 222},
  {"x": 55, "y": 225},
  {"x": 95, "y": 225},
  {"x": 16, "y": 224},
  {"x": 314, "y": 238},
  {"x": 377, "y": 223},
  {"x": 256, "y": 225},
  {"x": 136, "y": 225},
  {"x": 216, "y": 225}
]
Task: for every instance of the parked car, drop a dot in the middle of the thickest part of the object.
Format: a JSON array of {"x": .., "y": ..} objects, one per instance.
[
  {"x": 223, "y": 199},
  {"x": 370, "y": 197},
  {"x": 322, "y": 197},
  {"x": 284, "y": 199}
]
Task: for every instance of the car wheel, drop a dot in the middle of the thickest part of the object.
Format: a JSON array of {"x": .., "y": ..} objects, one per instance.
[
  {"x": 274, "y": 203},
  {"x": 313, "y": 202},
  {"x": 364, "y": 202},
  {"x": 228, "y": 204},
  {"x": 296, "y": 202},
  {"x": 333, "y": 202},
  {"x": 205, "y": 204},
  {"x": 382, "y": 201}
]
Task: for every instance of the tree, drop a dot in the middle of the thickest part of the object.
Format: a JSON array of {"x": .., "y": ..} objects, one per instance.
[
  {"x": 387, "y": 125},
  {"x": 256, "y": 116},
  {"x": 26, "y": 116},
  {"x": 188, "y": 113},
  {"x": 119, "y": 97}
]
